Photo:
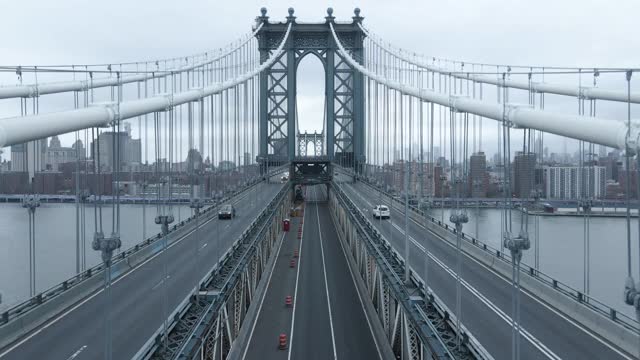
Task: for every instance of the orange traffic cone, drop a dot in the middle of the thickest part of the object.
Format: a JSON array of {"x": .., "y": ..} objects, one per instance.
[{"x": 282, "y": 341}]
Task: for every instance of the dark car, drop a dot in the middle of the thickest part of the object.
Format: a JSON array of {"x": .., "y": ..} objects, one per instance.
[{"x": 227, "y": 212}]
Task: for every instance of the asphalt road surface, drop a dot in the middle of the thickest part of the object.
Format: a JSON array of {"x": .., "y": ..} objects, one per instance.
[
  {"x": 137, "y": 297},
  {"x": 486, "y": 296},
  {"x": 328, "y": 319}
]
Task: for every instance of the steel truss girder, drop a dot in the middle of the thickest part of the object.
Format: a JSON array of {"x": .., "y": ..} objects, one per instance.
[
  {"x": 343, "y": 101},
  {"x": 275, "y": 87},
  {"x": 209, "y": 325},
  {"x": 311, "y": 170},
  {"x": 414, "y": 327}
]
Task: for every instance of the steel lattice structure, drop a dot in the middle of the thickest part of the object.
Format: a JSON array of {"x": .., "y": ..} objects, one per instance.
[
  {"x": 344, "y": 88},
  {"x": 316, "y": 139}
]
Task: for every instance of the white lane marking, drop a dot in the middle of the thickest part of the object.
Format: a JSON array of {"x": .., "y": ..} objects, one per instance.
[
  {"x": 160, "y": 282},
  {"x": 203, "y": 246},
  {"x": 75, "y": 354},
  {"x": 534, "y": 341},
  {"x": 344, "y": 251},
  {"x": 264, "y": 295},
  {"x": 526, "y": 292},
  {"x": 56, "y": 319},
  {"x": 295, "y": 292},
  {"x": 526, "y": 334},
  {"x": 326, "y": 283}
]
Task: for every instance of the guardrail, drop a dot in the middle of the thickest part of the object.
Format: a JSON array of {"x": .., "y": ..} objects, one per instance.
[
  {"x": 586, "y": 300},
  {"x": 57, "y": 290},
  {"x": 223, "y": 276},
  {"x": 426, "y": 315}
]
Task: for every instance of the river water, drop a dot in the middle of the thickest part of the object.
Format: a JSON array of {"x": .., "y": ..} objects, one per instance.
[
  {"x": 561, "y": 246},
  {"x": 56, "y": 242}
]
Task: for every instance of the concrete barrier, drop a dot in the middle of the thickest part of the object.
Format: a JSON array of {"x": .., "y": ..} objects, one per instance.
[
  {"x": 622, "y": 337},
  {"x": 46, "y": 312}
]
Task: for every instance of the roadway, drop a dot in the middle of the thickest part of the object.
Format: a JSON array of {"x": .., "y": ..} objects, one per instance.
[
  {"x": 327, "y": 320},
  {"x": 137, "y": 297},
  {"x": 486, "y": 296}
]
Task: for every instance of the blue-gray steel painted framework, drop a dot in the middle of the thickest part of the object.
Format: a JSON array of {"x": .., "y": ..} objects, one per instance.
[
  {"x": 344, "y": 88},
  {"x": 420, "y": 329},
  {"x": 206, "y": 326}
]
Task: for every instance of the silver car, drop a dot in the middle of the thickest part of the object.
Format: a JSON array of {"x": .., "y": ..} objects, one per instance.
[
  {"x": 381, "y": 212},
  {"x": 227, "y": 212}
]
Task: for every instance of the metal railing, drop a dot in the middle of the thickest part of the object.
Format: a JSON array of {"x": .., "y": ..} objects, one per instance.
[
  {"x": 587, "y": 300},
  {"x": 47, "y": 295},
  {"x": 392, "y": 266},
  {"x": 224, "y": 274}
]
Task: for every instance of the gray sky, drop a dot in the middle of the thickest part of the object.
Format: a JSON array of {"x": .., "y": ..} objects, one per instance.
[
  {"x": 595, "y": 33},
  {"x": 543, "y": 32}
]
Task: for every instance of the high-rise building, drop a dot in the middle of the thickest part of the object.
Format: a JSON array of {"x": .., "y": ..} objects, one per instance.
[
  {"x": 19, "y": 152},
  {"x": 55, "y": 142},
  {"x": 625, "y": 176},
  {"x": 441, "y": 187},
  {"x": 398, "y": 178},
  {"x": 442, "y": 162},
  {"x": 478, "y": 178},
  {"x": 436, "y": 152},
  {"x": 226, "y": 165},
  {"x": 523, "y": 174},
  {"x": 135, "y": 151},
  {"x": 602, "y": 151},
  {"x": 194, "y": 161},
  {"x": 566, "y": 182},
  {"x": 103, "y": 149},
  {"x": 130, "y": 150},
  {"x": 57, "y": 155},
  {"x": 18, "y": 160}
]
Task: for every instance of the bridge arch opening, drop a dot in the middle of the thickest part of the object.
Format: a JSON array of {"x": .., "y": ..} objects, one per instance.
[
  {"x": 311, "y": 148},
  {"x": 310, "y": 97}
]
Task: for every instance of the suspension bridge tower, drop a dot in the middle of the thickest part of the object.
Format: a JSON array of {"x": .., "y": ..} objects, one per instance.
[{"x": 344, "y": 133}]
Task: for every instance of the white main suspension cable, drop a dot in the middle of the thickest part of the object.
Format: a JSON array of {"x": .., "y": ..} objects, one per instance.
[
  {"x": 539, "y": 87},
  {"x": 17, "y": 130},
  {"x": 31, "y": 90},
  {"x": 607, "y": 132}
]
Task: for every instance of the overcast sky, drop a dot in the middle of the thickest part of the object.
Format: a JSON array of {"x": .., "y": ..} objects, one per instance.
[
  {"x": 582, "y": 33},
  {"x": 542, "y": 32}
]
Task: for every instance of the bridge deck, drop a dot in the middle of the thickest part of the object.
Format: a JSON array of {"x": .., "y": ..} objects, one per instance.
[
  {"x": 137, "y": 297},
  {"x": 329, "y": 319},
  {"x": 486, "y": 299}
]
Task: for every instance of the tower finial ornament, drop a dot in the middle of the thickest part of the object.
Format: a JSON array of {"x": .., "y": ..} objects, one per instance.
[
  {"x": 291, "y": 18},
  {"x": 357, "y": 18},
  {"x": 329, "y": 18}
]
